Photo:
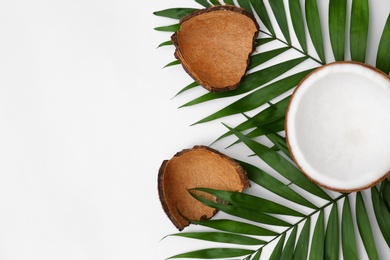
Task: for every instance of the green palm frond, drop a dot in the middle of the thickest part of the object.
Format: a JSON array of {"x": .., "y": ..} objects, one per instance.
[
  {"x": 247, "y": 201},
  {"x": 260, "y": 96},
  {"x": 298, "y": 23},
  {"x": 321, "y": 224},
  {"x": 332, "y": 239},
  {"x": 281, "y": 18},
  {"x": 175, "y": 13},
  {"x": 383, "y": 55},
  {"x": 337, "y": 27},
  {"x": 250, "y": 82},
  {"x": 314, "y": 25},
  {"x": 382, "y": 213},
  {"x": 359, "y": 29},
  {"x": 348, "y": 240},
  {"x": 204, "y": 3},
  {"x": 265, "y": 121}
]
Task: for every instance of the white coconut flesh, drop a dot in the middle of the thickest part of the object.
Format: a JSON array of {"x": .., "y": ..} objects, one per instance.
[{"x": 338, "y": 126}]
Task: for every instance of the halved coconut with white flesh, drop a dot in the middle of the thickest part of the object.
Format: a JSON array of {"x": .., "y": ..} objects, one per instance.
[
  {"x": 338, "y": 126},
  {"x": 199, "y": 167},
  {"x": 214, "y": 45}
]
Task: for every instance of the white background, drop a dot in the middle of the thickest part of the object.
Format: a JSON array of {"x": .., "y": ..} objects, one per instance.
[{"x": 86, "y": 118}]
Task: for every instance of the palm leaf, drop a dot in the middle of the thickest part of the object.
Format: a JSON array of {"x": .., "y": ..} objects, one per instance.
[
  {"x": 298, "y": 22},
  {"x": 332, "y": 237},
  {"x": 261, "y": 10},
  {"x": 215, "y": 2},
  {"x": 269, "y": 115},
  {"x": 175, "y": 13},
  {"x": 270, "y": 85},
  {"x": 383, "y": 55},
  {"x": 282, "y": 166},
  {"x": 337, "y": 27},
  {"x": 204, "y": 3},
  {"x": 277, "y": 252},
  {"x": 172, "y": 63},
  {"x": 364, "y": 226},
  {"x": 280, "y": 15},
  {"x": 264, "y": 129},
  {"x": 262, "y": 41},
  {"x": 245, "y": 4},
  {"x": 214, "y": 253},
  {"x": 258, "y": 97},
  {"x": 248, "y": 201},
  {"x": 244, "y": 213},
  {"x": 288, "y": 250},
  {"x": 280, "y": 143},
  {"x": 166, "y": 43},
  {"x": 168, "y": 28},
  {"x": 222, "y": 237},
  {"x": 274, "y": 185},
  {"x": 257, "y": 255},
  {"x": 314, "y": 25},
  {"x": 385, "y": 191},
  {"x": 382, "y": 214},
  {"x": 348, "y": 232},
  {"x": 359, "y": 29},
  {"x": 234, "y": 226},
  {"x": 260, "y": 58},
  {"x": 250, "y": 82},
  {"x": 317, "y": 244},
  {"x": 188, "y": 87},
  {"x": 229, "y": 2},
  {"x": 302, "y": 247}
]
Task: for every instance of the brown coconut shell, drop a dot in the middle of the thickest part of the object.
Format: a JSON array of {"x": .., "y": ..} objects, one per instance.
[
  {"x": 214, "y": 45},
  {"x": 199, "y": 167}
]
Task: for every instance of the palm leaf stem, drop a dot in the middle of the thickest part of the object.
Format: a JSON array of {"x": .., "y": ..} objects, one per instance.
[
  {"x": 293, "y": 47},
  {"x": 303, "y": 219}
]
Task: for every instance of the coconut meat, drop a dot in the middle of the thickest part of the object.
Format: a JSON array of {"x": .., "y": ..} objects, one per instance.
[{"x": 338, "y": 126}]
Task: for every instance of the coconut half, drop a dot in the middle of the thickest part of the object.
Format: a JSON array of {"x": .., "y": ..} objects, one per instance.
[
  {"x": 338, "y": 126},
  {"x": 198, "y": 167},
  {"x": 214, "y": 45}
]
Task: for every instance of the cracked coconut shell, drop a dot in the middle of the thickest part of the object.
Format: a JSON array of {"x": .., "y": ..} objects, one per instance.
[
  {"x": 214, "y": 45},
  {"x": 199, "y": 167}
]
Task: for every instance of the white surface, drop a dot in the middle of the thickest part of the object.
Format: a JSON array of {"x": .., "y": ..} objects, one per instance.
[
  {"x": 86, "y": 119},
  {"x": 339, "y": 126}
]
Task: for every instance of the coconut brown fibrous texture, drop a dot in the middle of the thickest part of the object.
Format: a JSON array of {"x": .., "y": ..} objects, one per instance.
[
  {"x": 214, "y": 45},
  {"x": 338, "y": 126},
  {"x": 198, "y": 167}
]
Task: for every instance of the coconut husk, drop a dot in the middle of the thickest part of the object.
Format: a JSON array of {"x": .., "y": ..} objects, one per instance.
[
  {"x": 214, "y": 45},
  {"x": 199, "y": 167}
]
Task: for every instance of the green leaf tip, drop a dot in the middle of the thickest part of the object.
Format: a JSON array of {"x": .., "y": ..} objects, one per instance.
[
  {"x": 175, "y": 13},
  {"x": 359, "y": 29},
  {"x": 214, "y": 253},
  {"x": 383, "y": 53}
]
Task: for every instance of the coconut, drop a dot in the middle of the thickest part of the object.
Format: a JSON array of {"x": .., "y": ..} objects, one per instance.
[
  {"x": 199, "y": 167},
  {"x": 338, "y": 126},
  {"x": 214, "y": 45}
]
